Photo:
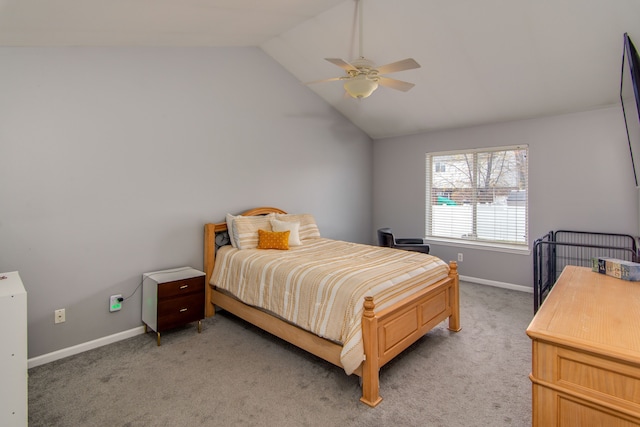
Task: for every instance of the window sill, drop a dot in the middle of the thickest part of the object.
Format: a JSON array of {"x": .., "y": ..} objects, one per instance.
[{"x": 496, "y": 247}]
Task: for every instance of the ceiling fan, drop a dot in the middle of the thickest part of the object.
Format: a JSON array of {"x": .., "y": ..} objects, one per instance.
[{"x": 363, "y": 76}]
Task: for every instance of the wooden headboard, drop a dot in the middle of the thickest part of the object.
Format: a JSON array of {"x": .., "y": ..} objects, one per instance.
[{"x": 211, "y": 231}]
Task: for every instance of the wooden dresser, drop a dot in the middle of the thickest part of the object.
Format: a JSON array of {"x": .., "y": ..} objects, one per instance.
[{"x": 586, "y": 352}]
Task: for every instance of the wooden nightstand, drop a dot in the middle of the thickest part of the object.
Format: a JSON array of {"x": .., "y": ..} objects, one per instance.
[{"x": 172, "y": 298}]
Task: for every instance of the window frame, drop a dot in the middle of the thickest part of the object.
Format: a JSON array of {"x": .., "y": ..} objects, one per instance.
[{"x": 431, "y": 159}]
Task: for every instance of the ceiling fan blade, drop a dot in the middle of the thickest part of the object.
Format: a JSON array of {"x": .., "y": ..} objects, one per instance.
[
  {"x": 324, "y": 80},
  {"x": 405, "y": 64},
  {"x": 395, "y": 84},
  {"x": 342, "y": 64}
]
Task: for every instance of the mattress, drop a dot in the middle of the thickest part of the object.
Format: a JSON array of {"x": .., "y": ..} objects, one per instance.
[{"x": 321, "y": 285}]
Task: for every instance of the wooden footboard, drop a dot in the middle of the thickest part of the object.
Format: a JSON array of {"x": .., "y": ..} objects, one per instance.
[{"x": 386, "y": 333}]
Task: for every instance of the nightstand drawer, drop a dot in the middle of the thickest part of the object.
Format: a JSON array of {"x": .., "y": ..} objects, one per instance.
[
  {"x": 180, "y": 287},
  {"x": 180, "y": 310}
]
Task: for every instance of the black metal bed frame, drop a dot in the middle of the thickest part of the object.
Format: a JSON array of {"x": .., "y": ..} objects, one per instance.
[{"x": 557, "y": 249}]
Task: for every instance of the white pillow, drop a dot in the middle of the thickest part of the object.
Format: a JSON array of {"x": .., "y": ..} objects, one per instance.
[
  {"x": 245, "y": 229},
  {"x": 293, "y": 229},
  {"x": 230, "y": 219},
  {"x": 308, "y": 227},
  {"x": 233, "y": 230}
]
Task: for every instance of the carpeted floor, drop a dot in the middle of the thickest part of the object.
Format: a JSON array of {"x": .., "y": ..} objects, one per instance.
[{"x": 233, "y": 374}]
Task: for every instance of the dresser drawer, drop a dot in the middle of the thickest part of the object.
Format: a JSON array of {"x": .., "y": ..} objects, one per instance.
[
  {"x": 180, "y": 287},
  {"x": 579, "y": 373},
  {"x": 180, "y": 310}
]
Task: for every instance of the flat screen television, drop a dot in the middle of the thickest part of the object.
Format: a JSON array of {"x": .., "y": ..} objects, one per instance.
[{"x": 630, "y": 98}]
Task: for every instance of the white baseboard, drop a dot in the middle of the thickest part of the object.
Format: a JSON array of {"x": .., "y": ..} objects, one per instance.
[
  {"x": 497, "y": 284},
  {"x": 70, "y": 351}
]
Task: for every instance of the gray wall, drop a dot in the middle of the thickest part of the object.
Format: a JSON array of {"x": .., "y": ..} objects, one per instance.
[
  {"x": 112, "y": 159},
  {"x": 580, "y": 178}
]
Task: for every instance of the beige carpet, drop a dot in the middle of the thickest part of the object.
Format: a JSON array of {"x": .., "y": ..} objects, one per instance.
[{"x": 235, "y": 375}]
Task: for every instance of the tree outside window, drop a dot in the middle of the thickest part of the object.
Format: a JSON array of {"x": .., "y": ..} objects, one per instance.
[{"x": 478, "y": 195}]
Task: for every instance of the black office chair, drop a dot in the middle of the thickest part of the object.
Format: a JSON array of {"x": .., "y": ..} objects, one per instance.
[{"x": 386, "y": 238}]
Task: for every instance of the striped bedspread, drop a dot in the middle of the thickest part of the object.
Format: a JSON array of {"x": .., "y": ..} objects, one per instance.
[{"x": 321, "y": 285}]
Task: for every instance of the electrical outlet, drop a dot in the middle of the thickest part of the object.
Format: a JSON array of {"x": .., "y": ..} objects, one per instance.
[
  {"x": 115, "y": 303},
  {"x": 460, "y": 257},
  {"x": 59, "y": 316}
]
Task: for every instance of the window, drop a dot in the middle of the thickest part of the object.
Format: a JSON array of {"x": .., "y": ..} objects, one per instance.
[{"x": 478, "y": 195}]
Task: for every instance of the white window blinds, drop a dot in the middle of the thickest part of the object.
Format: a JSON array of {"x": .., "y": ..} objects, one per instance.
[{"x": 478, "y": 195}]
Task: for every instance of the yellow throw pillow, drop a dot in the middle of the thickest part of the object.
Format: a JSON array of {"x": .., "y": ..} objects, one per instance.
[{"x": 273, "y": 239}]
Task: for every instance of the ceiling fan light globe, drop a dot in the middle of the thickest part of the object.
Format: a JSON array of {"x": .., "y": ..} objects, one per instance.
[{"x": 360, "y": 87}]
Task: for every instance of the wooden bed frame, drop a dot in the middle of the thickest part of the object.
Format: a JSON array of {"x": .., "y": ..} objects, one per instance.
[{"x": 385, "y": 333}]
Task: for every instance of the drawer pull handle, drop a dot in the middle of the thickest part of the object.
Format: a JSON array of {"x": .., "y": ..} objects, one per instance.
[
  {"x": 182, "y": 310},
  {"x": 184, "y": 286}
]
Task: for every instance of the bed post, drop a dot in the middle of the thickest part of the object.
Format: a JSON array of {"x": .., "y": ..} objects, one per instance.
[
  {"x": 454, "y": 319},
  {"x": 209, "y": 259},
  {"x": 370, "y": 366}
]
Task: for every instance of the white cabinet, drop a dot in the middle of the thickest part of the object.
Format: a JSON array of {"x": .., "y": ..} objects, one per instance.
[{"x": 13, "y": 351}]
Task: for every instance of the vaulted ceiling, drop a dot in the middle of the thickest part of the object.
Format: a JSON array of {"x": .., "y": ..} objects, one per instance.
[{"x": 482, "y": 61}]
